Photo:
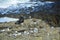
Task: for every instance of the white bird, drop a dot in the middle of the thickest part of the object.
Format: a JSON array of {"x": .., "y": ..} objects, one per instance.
[
  {"x": 14, "y": 35},
  {"x": 19, "y": 33},
  {"x": 35, "y": 22},
  {"x": 8, "y": 29},
  {"x": 22, "y": 23},
  {"x": 15, "y": 31},
  {"x": 35, "y": 30},
  {"x": 26, "y": 32},
  {"x": 52, "y": 27},
  {"x": 2, "y": 30}
]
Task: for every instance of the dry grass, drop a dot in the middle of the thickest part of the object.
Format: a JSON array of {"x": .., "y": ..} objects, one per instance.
[{"x": 45, "y": 33}]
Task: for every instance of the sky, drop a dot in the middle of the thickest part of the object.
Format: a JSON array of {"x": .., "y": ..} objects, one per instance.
[{"x": 7, "y": 3}]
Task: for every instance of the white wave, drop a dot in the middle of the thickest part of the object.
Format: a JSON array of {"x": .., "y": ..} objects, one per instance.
[{"x": 7, "y": 19}]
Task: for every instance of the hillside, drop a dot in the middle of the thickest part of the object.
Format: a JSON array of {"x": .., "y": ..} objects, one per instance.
[{"x": 42, "y": 31}]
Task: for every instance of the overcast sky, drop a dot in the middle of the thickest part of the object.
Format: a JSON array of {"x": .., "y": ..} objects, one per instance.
[{"x": 7, "y": 3}]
